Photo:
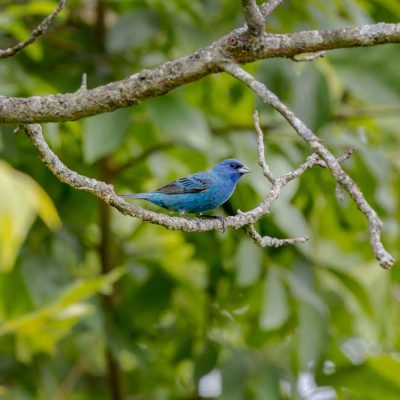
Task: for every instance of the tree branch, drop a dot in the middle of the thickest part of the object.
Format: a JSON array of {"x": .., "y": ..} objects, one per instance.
[
  {"x": 343, "y": 179},
  {"x": 268, "y": 241},
  {"x": 308, "y": 57},
  {"x": 38, "y": 31},
  {"x": 223, "y": 55},
  {"x": 236, "y": 46},
  {"x": 261, "y": 150},
  {"x": 254, "y": 19},
  {"x": 267, "y": 8},
  {"x": 106, "y": 193}
]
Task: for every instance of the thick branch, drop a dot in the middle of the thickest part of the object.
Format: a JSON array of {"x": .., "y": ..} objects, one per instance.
[
  {"x": 38, "y": 31},
  {"x": 374, "y": 223},
  {"x": 236, "y": 46}
]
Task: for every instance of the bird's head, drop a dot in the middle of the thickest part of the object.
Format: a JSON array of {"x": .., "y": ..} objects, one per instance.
[{"x": 231, "y": 168}]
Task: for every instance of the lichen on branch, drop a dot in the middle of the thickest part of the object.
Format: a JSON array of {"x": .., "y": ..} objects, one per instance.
[
  {"x": 238, "y": 46},
  {"x": 245, "y": 44}
]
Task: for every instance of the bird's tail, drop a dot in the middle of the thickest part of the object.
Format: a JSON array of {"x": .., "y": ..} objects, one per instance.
[{"x": 134, "y": 195}]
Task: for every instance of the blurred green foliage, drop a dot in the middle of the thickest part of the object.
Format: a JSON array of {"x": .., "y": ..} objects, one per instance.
[{"x": 314, "y": 321}]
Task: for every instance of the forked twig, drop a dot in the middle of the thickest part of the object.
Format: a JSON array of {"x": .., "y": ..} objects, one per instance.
[{"x": 342, "y": 178}]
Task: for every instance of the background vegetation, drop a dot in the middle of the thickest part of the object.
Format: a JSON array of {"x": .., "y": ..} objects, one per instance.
[{"x": 97, "y": 305}]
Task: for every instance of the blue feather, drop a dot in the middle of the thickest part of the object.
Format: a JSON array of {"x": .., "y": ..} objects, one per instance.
[{"x": 199, "y": 192}]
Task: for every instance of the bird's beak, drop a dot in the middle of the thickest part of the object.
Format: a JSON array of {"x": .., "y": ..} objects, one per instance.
[{"x": 244, "y": 170}]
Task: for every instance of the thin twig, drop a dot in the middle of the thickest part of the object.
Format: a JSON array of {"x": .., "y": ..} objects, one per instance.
[
  {"x": 267, "y": 8},
  {"x": 308, "y": 56},
  {"x": 264, "y": 241},
  {"x": 311, "y": 161},
  {"x": 38, "y": 31},
  {"x": 374, "y": 223},
  {"x": 346, "y": 155},
  {"x": 83, "y": 86},
  {"x": 261, "y": 150}
]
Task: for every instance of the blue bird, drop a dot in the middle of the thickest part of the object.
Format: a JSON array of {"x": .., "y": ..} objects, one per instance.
[{"x": 199, "y": 192}]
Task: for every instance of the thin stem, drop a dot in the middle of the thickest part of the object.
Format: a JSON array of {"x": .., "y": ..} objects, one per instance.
[
  {"x": 38, "y": 31},
  {"x": 261, "y": 150}
]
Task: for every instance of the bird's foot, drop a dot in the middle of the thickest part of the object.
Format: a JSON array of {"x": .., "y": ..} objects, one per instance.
[{"x": 207, "y": 216}]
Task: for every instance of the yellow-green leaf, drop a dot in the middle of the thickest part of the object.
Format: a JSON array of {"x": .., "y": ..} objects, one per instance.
[{"x": 21, "y": 201}]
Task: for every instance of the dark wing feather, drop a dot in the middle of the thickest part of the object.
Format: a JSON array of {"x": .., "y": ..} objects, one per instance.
[{"x": 191, "y": 184}]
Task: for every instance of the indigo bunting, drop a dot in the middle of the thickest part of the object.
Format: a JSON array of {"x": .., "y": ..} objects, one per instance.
[{"x": 199, "y": 192}]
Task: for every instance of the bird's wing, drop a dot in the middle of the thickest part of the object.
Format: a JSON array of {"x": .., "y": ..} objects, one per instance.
[{"x": 191, "y": 184}]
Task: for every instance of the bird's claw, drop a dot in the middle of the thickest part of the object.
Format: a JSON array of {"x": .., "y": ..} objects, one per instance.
[{"x": 221, "y": 219}]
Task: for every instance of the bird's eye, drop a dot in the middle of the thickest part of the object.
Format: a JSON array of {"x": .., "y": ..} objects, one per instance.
[{"x": 233, "y": 165}]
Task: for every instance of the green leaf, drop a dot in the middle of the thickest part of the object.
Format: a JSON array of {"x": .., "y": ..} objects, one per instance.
[
  {"x": 392, "y": 5},
  {"x": 303, "y": 292},
  {"x": 386, "y": 365},
  {"x": 275, "y": 309},
  {"x": 365, "y": 382},
  {"x": 311, "y": 101},
  {"x": 248, "y": 263},
  {"x": 368, "y": 85},
  {"x": 181, "y": 122},
  {"x": 177, "y": 256},
  {"x": 21, "y": 201},
  {"x": 280, "y": 166},
  {"x": 42, "y": 7},
  {"x": 235, "y": 371},
  {"x": 132, "y": 29},
  {"x": 11, "y": 305},
  {"x": 291, "y": 221},
  {"x": 103, "y": 133},
  {"x": 206, "y": 360},
  {"x": 312, "y": 336},
  {"x": 355, "y": 289},
  {"x": 266, "y": 385},
  {"x": 42, "y": 329}
]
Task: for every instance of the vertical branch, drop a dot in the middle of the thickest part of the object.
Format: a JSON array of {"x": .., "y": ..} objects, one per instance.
[
  {"x": 106, "y": 242},
  {"x": 100, "y": 27},
  {"x": 254, "y": 18},
  {"x": 261, "y": 149},
  {"x": 107, "y": 265}
]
